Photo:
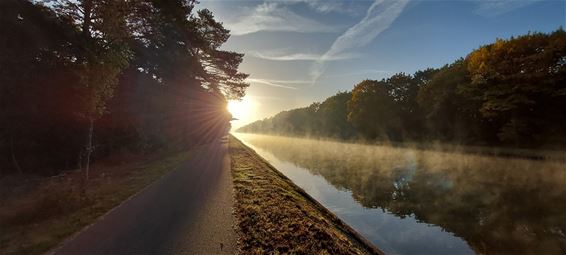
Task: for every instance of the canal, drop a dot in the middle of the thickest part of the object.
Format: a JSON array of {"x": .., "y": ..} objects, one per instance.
[{"x": 409, "y": 201}]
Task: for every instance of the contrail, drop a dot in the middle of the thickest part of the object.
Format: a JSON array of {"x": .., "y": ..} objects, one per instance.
[
  {"x": 379, "y": 17},
  {"x": 271, "y": 83}
]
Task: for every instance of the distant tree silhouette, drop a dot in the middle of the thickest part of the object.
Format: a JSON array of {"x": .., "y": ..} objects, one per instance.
[{"x": 509, "y": 93}]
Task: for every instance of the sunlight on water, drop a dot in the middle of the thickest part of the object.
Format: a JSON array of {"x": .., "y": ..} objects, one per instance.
[{"x": 413, "y": 201}]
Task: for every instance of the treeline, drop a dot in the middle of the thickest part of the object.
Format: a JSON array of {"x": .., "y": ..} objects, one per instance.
[
  {"x": 509, "y": 93},
  {"x": 87, "y": 78}
]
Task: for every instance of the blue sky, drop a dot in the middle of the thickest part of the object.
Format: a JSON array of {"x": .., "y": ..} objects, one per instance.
[{"x": 302, "y": 51}]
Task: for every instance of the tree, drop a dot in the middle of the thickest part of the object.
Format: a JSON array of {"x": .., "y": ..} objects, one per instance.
[
  {"x": 521, "y": 83},
  {"x": 509, "y": 93},
  {"x": 372, "y": 110},
  {"x": 177, "y": 51},
  {"x": 149, "y": 74},
  {"x": 103, "y": 54},
  {"x": 221, "y": 66},
  {"x": 403, "y": 90},
  {"x": 448, "y": 114},
  {"x": 36, "y": 49},
  {"x": 413, "y": 117},
  {"x": 333, "y": 116}
]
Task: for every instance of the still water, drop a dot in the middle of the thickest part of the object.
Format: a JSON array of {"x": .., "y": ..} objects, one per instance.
[{"x": 409, "y": 201}]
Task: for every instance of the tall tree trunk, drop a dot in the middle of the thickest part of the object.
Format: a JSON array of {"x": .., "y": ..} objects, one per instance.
[
  {"x": 89, "y": 148},
  {"x": 14, "y": 159},
  {"x": 87, "y": 11},
  {"x": 80, "y": 160},
  {"x": 87, "y": 7}
]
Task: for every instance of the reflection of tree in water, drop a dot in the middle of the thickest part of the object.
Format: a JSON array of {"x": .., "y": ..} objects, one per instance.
[{"x": 497, "y": 205}]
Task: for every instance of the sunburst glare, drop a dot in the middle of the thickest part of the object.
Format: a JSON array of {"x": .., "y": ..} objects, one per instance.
[{"x": 241, "y": 109}]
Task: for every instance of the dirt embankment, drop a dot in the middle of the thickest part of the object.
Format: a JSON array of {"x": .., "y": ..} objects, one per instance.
[{"x": 275, "y": 216}]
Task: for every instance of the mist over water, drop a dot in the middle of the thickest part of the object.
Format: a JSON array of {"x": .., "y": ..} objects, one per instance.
[{"x": 409, "y": 201}]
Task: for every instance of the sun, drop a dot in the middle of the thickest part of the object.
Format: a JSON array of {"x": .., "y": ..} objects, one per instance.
[{"x": 240, "y": 109}]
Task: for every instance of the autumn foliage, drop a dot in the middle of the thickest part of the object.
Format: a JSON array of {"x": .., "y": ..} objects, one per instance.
[{"x": 510, "y": 93}]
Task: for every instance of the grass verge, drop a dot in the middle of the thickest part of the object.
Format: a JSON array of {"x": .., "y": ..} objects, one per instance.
[
  {"x": 37, "y": 215},
  {"x": 274, "y": 216}
]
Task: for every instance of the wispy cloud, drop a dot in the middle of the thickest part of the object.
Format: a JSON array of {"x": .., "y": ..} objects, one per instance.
[
  {"x": 270, "y": 16},
  {"x": 491, "y": 8},
  {"x": 278, "y": 83},
  {"x": 322, "y": 6},
  {"x": 379, "y": 17},
  {"x": 361, "y": 72},
  {"x": 325, "y": 6},
  {"x": 286, "y": 55}
]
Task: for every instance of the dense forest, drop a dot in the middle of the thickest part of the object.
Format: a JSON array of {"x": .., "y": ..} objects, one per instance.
[
  {"x": 80, "y": 80},
  {"x": 509, "y": 93}
]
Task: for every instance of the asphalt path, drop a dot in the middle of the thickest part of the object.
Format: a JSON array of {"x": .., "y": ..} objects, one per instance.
[{"x": 188, "y": 211}]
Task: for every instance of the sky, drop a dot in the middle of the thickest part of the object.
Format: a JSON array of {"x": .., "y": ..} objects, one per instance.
[{"x": 302, "y": 51}]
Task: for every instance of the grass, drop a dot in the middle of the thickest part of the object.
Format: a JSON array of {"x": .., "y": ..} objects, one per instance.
[
  {"x": 37, "y": 215},
  {"x": 274, "y": 216}
]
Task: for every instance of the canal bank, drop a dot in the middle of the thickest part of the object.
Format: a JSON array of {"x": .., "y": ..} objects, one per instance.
[
  {"x": 276, "y": 216},
  {"x": 428, "y": 202}
]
